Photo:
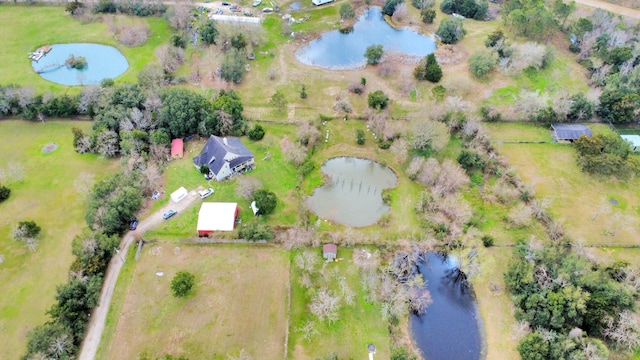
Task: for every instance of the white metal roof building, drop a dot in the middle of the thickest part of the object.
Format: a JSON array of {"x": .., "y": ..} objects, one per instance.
[{"x": 217, "y": 216}]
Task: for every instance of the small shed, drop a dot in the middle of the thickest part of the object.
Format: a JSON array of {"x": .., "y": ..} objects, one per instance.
[
  {"x": 329, "y": 251},
  {"x": 178, "y": 195},
  {"x": 217, "y": 216},
  {"x": 569, "y": 132},
  {"x": 633, "y": 140},
  {"x": 177, "y": 148}
]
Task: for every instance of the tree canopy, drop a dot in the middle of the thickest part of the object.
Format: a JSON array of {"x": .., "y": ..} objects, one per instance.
[
  {"x": 266, "y": 201},
  {"x": 374, "y": 54}
]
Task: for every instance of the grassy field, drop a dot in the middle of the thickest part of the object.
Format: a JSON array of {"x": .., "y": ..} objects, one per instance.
[
  {"x": 357, "y": 325},
  {"x": 583, "y": 202},
  {"x": 48, "y": 196},
  {"x": 239, "y": 303},
  {"x": 25, "y": 28}
]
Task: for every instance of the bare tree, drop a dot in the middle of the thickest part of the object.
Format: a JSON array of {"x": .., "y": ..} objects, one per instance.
[
  {"x": 623, "y": 330},
  {"x": 520, "y": 215},
  {"x": 429, "y": 134},
  {"x": 450, "y": 179},
  {"x": 415, "y": 167},
  {"x": 520, "y": 330},
  {"x": 170, "y": 57},
  {"x": 60, "y": 346},
  {"x": 306, "y": 261},
  {"x": 346, "y": 292},
  {"x": 296, "y": 237},
  {"x": 247, "y": 185},
  {"x": 133, "y": 35},
  {"x": 307, "y": 330},
  {"x": 84, "y": 145},
  {"x": 343, "y": 105},
  {"x": 529, "y": 103},
  {"x": 400, "y": 148},
  {"x": 325, "y": 305},
  {"x": 308, "y": 134},
  {"x": 400, "y": 13},
  {"x": 179, "y": 15},
  {"x": 31, "y": 243},
  {"x": 293, "y": 152},
  {"x": 107, "y": 143},
  {"x": 226, "y": 122},
  {"x": 387, "y": 68},
  {"x": 88, "y": 98}
]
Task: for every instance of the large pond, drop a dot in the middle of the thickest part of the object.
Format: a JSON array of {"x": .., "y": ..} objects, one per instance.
[
  {"x": 352, "y": 193},
  {"x": 450, "y": 329},
  {"x": 102, "y": 62},
  {"x": 345, "y": 50}
]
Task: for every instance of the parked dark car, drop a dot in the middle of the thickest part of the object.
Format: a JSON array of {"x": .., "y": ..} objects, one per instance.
[
  {"x": 133, "y": 224},
  {"x": 169, "y": 214}
]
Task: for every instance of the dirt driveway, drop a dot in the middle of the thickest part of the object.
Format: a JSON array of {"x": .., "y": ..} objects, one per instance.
[
  {"x": 99, "y": 314},
  {"x": 616, "y": 9}
]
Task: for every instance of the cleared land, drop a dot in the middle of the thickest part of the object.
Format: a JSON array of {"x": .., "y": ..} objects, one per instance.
[
  {"x": 239, "y": 302},
  {"x": 585, "y": 203},
  {"x": 48, "y": 196}
]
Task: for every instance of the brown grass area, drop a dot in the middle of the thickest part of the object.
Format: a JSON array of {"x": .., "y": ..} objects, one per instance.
[
  {"x": 239, "y": 302},
  {"x": 495, "y": 307}
]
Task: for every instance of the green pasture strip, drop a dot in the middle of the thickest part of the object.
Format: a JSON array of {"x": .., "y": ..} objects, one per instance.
[{"x": 48, "y": 196}]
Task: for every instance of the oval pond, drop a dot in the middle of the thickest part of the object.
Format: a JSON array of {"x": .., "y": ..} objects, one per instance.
[
  {"x": 353, "y": 193},
  {"x": 337, "y": 50},
  {"x": 102, "y": 62},
  {"x": 450, "y": 329}
]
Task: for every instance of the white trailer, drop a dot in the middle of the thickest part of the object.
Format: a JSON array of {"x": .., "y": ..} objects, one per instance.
[{"x": 321, "y": 2}]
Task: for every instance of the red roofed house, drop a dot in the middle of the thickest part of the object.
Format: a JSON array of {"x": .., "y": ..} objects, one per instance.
[
  {"x": 177, "y": 148},
  {"x": 217, "y": 216}
]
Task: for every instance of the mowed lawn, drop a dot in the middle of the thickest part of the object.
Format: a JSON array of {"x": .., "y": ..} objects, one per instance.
[
  {"x": 239, "y": 302},
  {"x": 46, "y": 195},
  {"x": 25, "y": 28},
  {"x": 584, "y": 203}
]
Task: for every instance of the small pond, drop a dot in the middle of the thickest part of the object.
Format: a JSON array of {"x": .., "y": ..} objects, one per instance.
[
  {"x": 352, "y": 193},
  {"x": 342, "y": 50},
  {"x": 102, "y": 62},
  {"x": 450, "y": 329}
]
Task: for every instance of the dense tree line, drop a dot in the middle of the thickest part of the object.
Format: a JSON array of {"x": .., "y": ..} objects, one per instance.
[
  {"x": 130, "y": 7},
  {"x": 563, "y": 297}
]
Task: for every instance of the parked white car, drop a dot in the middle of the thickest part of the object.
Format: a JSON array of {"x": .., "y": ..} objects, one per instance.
[{"x": 205, "y": 193}]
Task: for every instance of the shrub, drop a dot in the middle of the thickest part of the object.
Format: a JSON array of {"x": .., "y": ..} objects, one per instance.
[
  {"x": 481, "y": 63},
  {"x": 256, "y": 133},
  {"x": 378, "y": 100},
  {"x": 255, "y": 230},
  {"x": 208, "y": 32},
  {"x": 428, "y": 69},
  {"x": 494, "y": 38},
  {"x": 470, "y": 160},
  {"x": 303, "y": 92},
  {"x": 428, "y": 15},
  {"x": 355, "y": 87},
  {"x": 490, "y": 114},
  {"x": 306, "y": 168},
  {"x": 346, "y": 11},
  {"x": 451, "y": 31},
  {"x": 182, "y": 283},
  {"x": 4, "y": 193},
  {"x": 374, "y": 54},
  {"x": 266, "y": 201},
  {"x": 439, "y": 92},
  {"x": 26, "y": 229},
  {"x": 487, "y": 241},
  {"x": 360, "y": 137}
]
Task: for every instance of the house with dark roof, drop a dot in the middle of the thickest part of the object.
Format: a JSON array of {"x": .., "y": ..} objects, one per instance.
[
  {"x": 224, "y": 157},
  {"x": 569, "y": 132}
]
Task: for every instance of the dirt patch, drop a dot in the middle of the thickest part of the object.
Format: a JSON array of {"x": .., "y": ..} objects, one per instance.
[
  {"x": 50, "y": 147},
  {"x": 449, "y": 54}
]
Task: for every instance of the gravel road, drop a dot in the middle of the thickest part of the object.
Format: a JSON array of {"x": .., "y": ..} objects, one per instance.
[{"x": 99, "y": 314}]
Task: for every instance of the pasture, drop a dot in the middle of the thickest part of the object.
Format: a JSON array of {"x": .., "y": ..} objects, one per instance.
[
  {"x": 594, "y": 210},
  {"x": 239, "y": 303},
  {"x": 52, "y": 193}
]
